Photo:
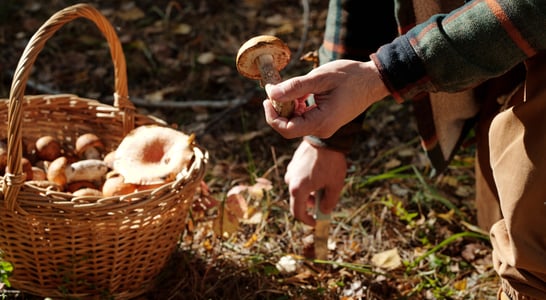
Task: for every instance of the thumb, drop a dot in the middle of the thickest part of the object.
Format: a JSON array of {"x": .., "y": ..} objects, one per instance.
[{"x": 290, "y": 89}]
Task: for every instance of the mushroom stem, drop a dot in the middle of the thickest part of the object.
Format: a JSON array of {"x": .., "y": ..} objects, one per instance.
[
  {"x": 262, "y": 57},
  {"x": 270, "y": 75}
]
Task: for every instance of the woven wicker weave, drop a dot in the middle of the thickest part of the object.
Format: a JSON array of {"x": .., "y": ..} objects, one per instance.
[{"x": 61, "y": 246}]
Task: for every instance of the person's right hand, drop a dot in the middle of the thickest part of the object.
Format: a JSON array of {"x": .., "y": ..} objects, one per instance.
[
  {"x": 312, "y": 169},
  {"x": 342, "y": 90}
]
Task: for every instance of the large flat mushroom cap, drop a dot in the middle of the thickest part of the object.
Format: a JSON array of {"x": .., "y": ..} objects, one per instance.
[
  {"x": 153, "y": 155},
  {"x": 257, "y": 46}
]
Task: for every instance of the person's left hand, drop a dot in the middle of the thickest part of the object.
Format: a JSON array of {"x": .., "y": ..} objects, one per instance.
[{"x": 312, "y": 169}]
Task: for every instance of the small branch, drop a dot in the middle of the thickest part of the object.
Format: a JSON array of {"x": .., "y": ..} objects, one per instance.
[{"x": 42, "y": 88}]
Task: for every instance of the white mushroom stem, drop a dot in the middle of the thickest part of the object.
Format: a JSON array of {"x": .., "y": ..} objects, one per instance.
[
  {"x": 86, "y": 170},
  {"x": 269, "y": 74}
]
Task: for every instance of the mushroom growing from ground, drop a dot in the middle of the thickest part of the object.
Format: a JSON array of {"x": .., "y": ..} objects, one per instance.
[
  {"x": 89, "y": 146},
  {"x": 48, "y": 148},
  {"x": 151, "y": 155},
  {"x": 262, "y": 57}
]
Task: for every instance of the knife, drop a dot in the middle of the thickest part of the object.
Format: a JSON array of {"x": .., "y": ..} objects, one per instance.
[{"x": 322, "y": 229}]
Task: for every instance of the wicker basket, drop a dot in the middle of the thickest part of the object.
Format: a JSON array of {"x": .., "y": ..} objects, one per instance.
[{"x": 61, "y": 246}]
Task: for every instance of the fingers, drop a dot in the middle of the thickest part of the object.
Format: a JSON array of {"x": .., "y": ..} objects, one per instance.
[
  {"x": 294, "y": 88},
  {"x": 329, "y": 200},
  {"x": 298, "y": 205},
  {"x": 311, "y": 122},
  {"x": 288, "y": 128}
]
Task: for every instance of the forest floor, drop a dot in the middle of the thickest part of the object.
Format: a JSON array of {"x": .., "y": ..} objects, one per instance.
[{"x": 397, "y": 232}]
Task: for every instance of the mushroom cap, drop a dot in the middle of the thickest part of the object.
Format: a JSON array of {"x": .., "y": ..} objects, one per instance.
[
  {"x": 87, "y": 192},
  {"x": 88, "y": 141},
  {"x": 109, "y": 159},
  {"x": 3, "y": 156},
  {"x": 38, "y": 173},
  {"x": 48, "y": 148},
  {"x": 56, "y": 171},
  {"x": 115, "y": 185},
  {"x": 257, "y": 46},
  {"x": 153, "y": 154}
]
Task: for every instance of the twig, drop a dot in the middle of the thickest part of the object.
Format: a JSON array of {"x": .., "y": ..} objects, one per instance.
[{"x": 42, "y": 88}]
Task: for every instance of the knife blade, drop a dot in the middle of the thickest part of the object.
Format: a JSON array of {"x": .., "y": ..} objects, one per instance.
[{"x": 322, "y": 228}]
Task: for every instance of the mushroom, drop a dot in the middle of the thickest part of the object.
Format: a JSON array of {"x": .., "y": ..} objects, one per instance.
[
  {"x": 48, "y": 148},
  {"x": 56, "y": 171},
  {"x": 78, "y": 185},
  {"x": 27, "y": 168},
  {"x": 86, "y": 170},
  {"x": 89, "y": 146},
  {"x": 3, "y": 156},
  {"x": 152, "y": 154},
  {"x": 62, "y": 173},
  {"x": 115, "y": 185},
  {"x": 262, "y": 57},
  {"x": 109, "y": 159},
  {"x": 38, "y": 173},
  {"x": 87, "y": 192}
]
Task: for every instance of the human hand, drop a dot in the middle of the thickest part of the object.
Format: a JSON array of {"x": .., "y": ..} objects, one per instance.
[
  {"x": 311, "y": 169},
  {"x": 342, "y": 90}
]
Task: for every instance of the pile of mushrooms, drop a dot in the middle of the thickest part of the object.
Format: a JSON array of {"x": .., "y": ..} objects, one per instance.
[{"x": 148, "y": 157}]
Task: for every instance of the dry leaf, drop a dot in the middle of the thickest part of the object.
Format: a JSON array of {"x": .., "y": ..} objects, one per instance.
[
  {"x": 225, "y": 224},
  {"x": 393, "y": 163},
  {"x": 253, "y": 238},
  {"x": 449, "y": 216},
  {"x": 182, "y": 29},
  {"x": 132, "y": 14},
  {"x": 236, "y": 205},
  {"x": 460, "y": 285},
  {"x": 388, "y": 260},
  {"x": 206, "y": 58}
]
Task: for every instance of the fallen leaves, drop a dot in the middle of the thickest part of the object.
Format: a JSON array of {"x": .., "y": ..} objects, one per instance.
[
  {"x": 235, "y": 208},
  {"x": 387, "y": 260}
]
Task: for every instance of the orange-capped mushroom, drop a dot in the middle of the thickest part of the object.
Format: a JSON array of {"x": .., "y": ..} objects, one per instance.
[
  {"x": 151, "y": 155},
  {"x": 115, "y": 185},
  {"x": 48, "y": 148},
  {"x": 262, "y": 57},
  {"x": 89, "y": 146}
]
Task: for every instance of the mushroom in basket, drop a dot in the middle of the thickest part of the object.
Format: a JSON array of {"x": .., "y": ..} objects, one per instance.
[{"x": 150, "y": 156}]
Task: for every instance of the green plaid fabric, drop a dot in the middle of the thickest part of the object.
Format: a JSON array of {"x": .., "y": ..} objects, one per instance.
[
  {"x": 448, "y": 53},
  {"x": 354, "y": 30}
]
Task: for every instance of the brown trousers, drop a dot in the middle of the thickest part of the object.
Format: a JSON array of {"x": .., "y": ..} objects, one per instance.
[{"x": 511, "y": 186}]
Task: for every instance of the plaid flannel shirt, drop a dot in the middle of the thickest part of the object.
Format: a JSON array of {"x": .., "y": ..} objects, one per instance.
[{"x": 450, "y": 52}]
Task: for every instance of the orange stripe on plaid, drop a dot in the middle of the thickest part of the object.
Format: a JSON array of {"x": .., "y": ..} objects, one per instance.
[
  {"x": 333, "y": 47},
  {"x": 511, "y": 30}
]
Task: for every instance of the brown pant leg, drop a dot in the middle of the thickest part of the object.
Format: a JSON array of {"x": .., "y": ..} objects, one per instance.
[
  {"x": 487, "y": 203},
  {"x": 518, "y": 161}
]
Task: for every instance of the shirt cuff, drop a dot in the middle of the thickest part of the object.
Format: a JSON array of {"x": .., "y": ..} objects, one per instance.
[{"x": 401, "y": 69}]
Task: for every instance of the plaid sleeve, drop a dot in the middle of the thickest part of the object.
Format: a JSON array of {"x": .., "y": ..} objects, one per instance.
[
  {"x": 459, "y": 50},
  {"x": 354, "y": 30}
]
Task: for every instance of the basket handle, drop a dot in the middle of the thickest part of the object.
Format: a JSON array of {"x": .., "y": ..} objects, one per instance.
[{"x": 14, "y": 179}]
